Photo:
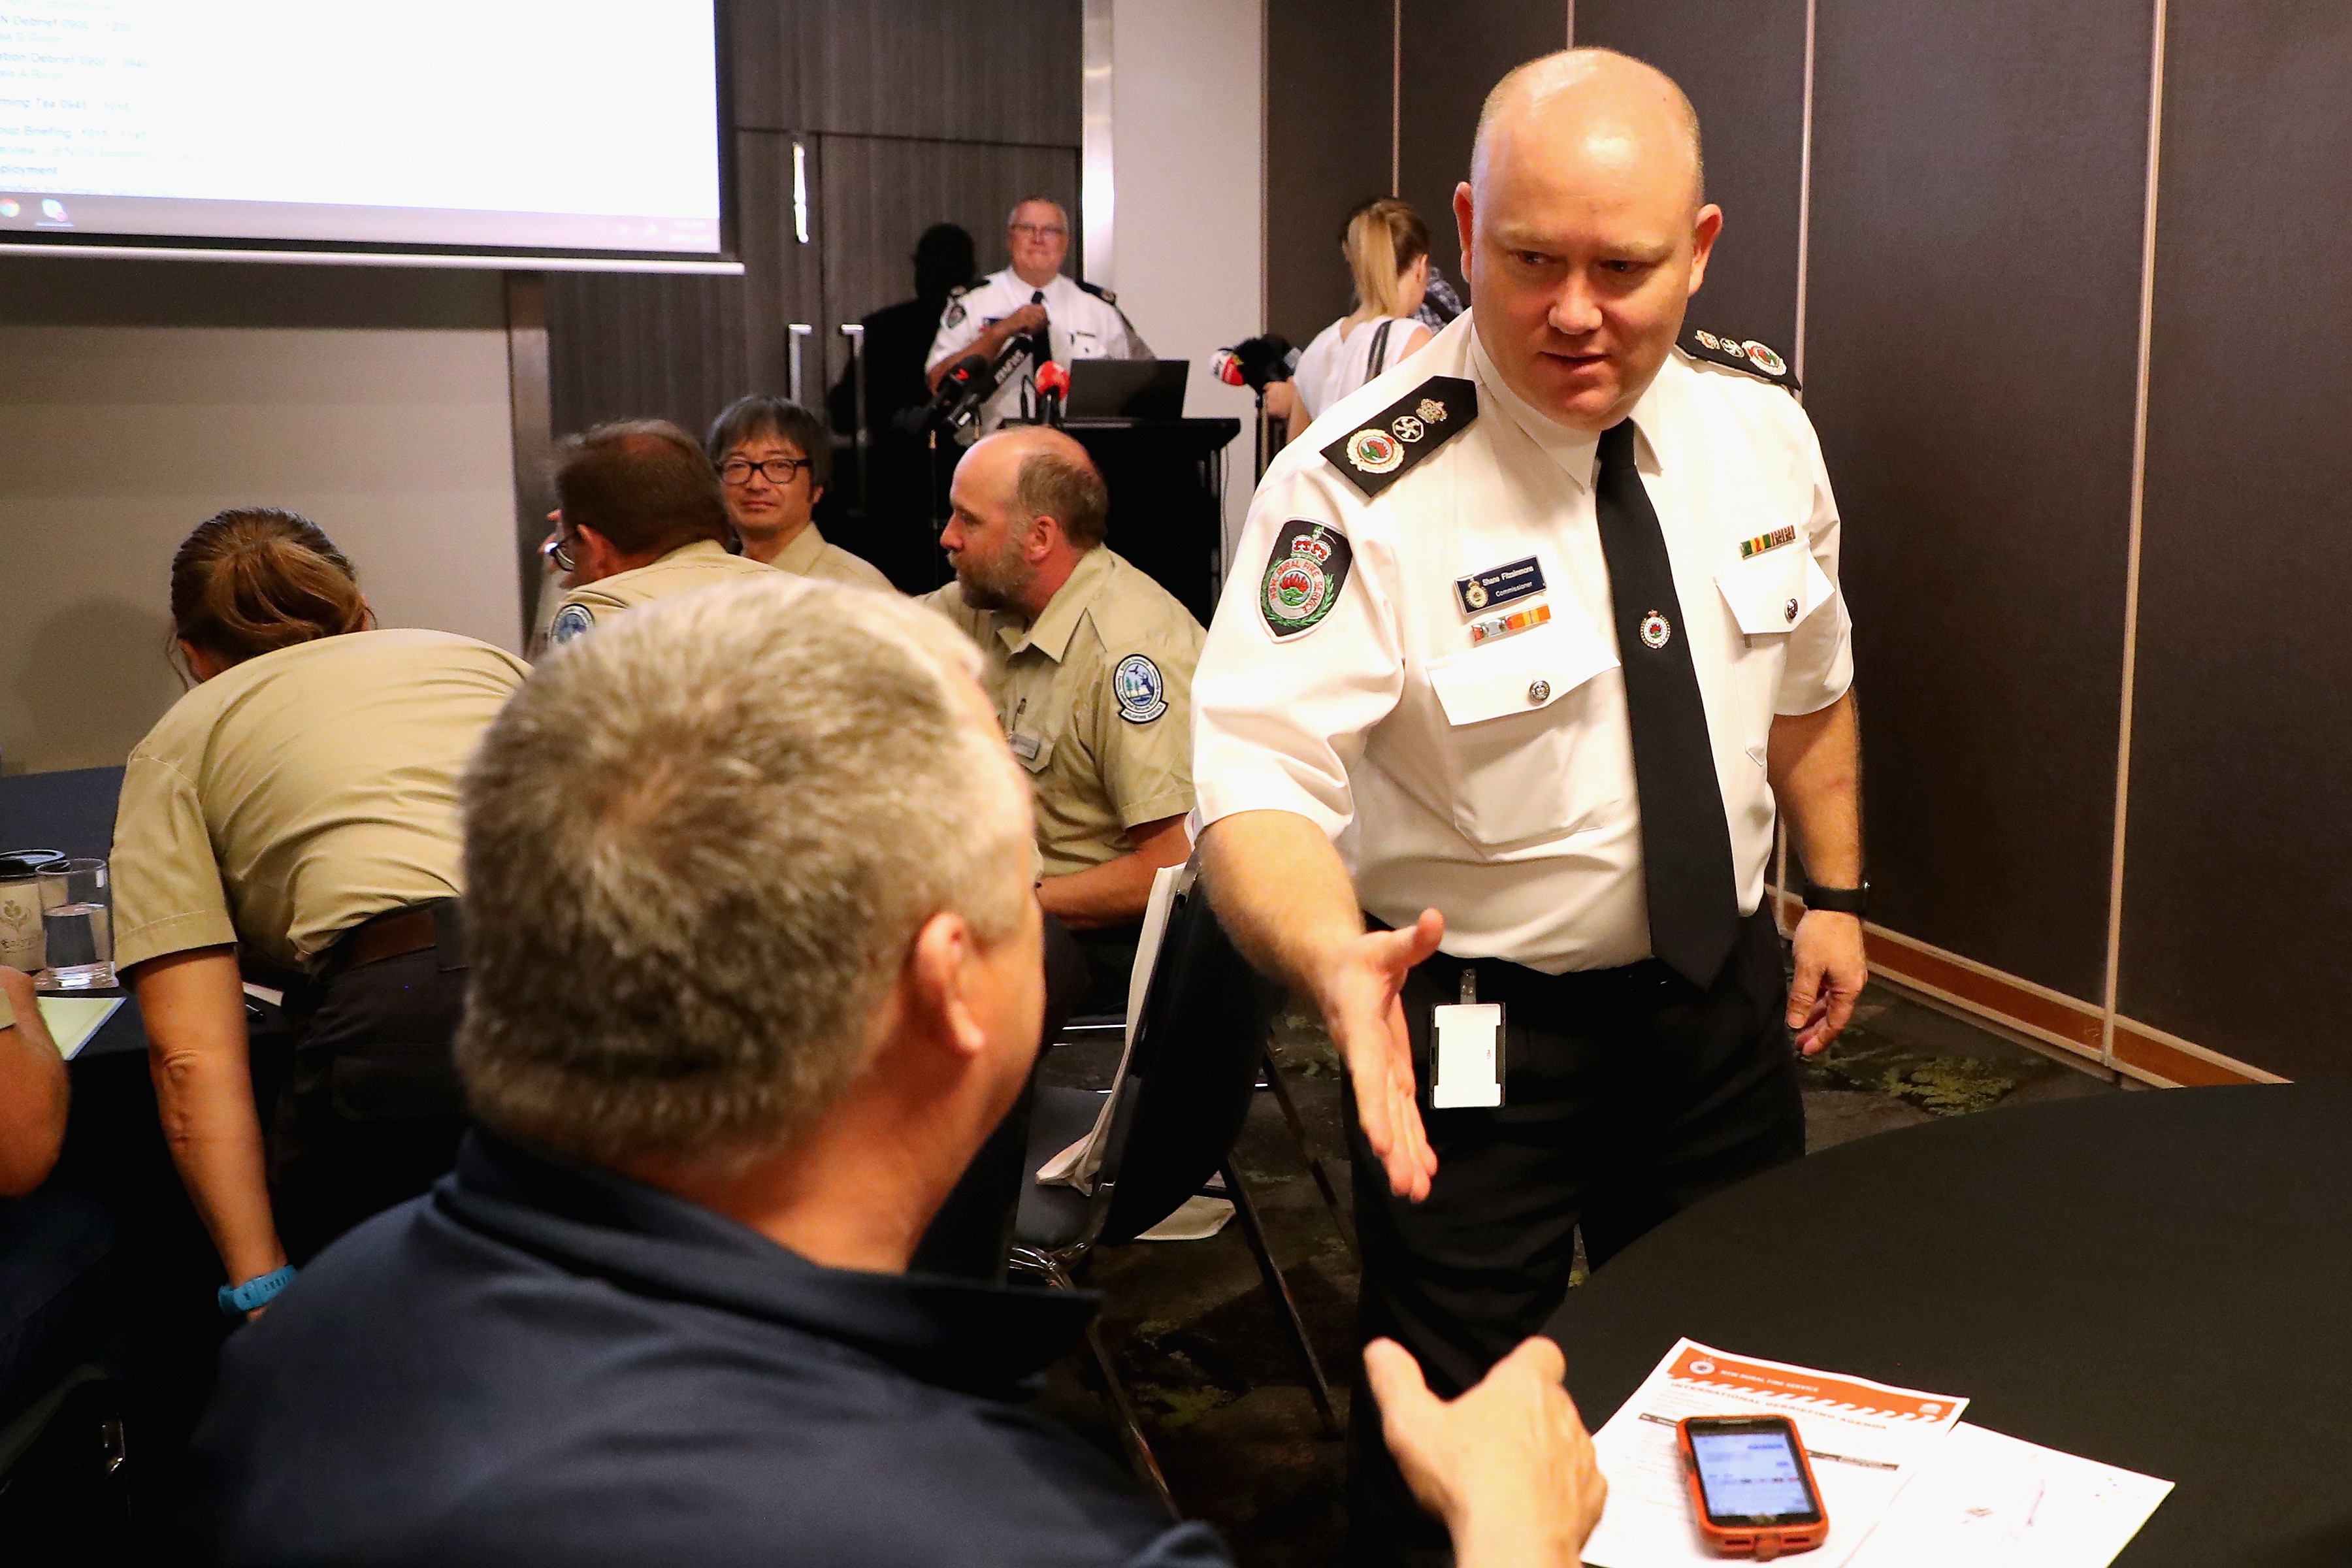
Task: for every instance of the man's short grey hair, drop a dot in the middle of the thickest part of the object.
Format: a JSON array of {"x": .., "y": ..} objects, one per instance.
[
  {"x": 699, "y": 845},
  {"x": 1059, "y": 211}
]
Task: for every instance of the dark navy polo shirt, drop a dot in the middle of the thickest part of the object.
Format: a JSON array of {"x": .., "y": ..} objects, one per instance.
[{"x": 544, "y": 1363}]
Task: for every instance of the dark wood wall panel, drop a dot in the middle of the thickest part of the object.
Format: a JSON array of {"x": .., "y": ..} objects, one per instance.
[
  {"x": 910, "y": 112},
  {"x": 977, "y": 70},
  {"x": 646, "y": 345},
  {"x": 784, "y": 281},
  {"x": 881, "y": 193},
  {"x": 1978, "y": 185},
  {"x": 1743, "y": 63},
  {"x": 2237, "y": 867},
  {"x": 1326, "y": 111},
  {"x": 623, "y": 346},
  {"x": 1454, "y": 51}
]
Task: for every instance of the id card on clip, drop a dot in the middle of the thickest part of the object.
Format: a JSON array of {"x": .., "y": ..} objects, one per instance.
[{"x": 1466, "y": 1050}]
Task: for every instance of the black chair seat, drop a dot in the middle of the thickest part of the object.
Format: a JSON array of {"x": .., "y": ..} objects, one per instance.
[
  {"x": 59, "y": 1278},
  {"x": 1051, "y": 1216}
]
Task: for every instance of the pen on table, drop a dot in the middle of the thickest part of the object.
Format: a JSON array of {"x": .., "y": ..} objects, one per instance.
[{"x": 1816, "y": 1453}]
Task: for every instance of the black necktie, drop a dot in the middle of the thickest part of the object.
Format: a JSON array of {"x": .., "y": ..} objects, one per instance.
[{"x": 1685, "y": 843}]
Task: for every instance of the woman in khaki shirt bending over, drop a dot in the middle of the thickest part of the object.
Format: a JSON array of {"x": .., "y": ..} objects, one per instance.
[{"x": 297, "y": 813}]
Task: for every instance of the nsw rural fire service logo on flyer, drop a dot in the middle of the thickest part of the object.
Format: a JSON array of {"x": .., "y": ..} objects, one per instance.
[{"x": 1303, "y": 575}]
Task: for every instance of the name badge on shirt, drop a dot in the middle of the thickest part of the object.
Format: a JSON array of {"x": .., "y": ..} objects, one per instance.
[
  {"x": 1024, "y": 747},
  {"x": 1500, "y": 585}
]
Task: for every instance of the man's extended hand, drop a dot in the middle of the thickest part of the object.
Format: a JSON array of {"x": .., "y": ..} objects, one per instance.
[
  {"x": 1831, "y": 973},
  {"x": 1357, "y": 987},
  {"x": 1508, "y": 1466}
]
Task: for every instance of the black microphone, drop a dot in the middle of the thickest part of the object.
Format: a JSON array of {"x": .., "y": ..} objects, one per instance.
[
  {"x": 954, "y": 387},
  {"x": 1256, "y": 362}
]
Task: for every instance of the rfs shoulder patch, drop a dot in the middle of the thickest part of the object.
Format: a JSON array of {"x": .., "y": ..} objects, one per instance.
[
  {"x": 1739, "y": 354},
  {"x": 1141, "y": 689},
  {"x": 1387, "y": 446},
  {"x": 570, "y": 622},
  {"x": 1304, "y": 577}
]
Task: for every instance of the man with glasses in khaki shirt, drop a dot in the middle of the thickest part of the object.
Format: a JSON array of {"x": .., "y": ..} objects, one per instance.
[
  {"x": 774, "y": 459},
  {"x": 1090, "y": 666}
]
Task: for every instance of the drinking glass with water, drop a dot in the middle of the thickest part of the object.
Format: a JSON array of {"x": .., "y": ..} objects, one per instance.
[{"x": 77, "y": 926}]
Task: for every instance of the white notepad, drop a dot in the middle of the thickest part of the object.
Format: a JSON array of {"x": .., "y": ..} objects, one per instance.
[{"x": 72, "y": 1020}]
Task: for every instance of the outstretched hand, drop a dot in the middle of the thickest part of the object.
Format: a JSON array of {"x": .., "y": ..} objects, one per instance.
[
  {"x": 1358, "y": 989},
  {"x": 1508, "y": 1466}
]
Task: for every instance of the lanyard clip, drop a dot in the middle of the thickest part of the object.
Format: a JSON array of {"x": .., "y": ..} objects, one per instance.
[{"x": 1469, "y": 987}]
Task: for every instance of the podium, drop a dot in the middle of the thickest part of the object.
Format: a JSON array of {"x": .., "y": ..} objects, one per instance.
[{"x": 1166, "y": 478}]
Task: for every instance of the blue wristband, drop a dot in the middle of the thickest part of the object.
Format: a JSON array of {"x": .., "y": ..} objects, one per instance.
[{"x": 237, "y": 1300}]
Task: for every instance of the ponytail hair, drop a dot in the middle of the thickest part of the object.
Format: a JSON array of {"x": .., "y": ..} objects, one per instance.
[
  {"x": 253, "y": 579},
  {"x": 1382, "y": 240}
]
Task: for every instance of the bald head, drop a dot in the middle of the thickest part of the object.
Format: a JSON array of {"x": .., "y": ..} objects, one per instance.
[
  {"x": 1584, "y": 231},
  {"x": 1025, "y": 505},
  {"x": 1612, "y": 107},
  {"x": 1053, "y": 477}
]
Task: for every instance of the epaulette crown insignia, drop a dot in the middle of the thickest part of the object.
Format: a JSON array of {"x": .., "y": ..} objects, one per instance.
[
  {"x": 1385, "y": 447},
  {"x": 1739, "y": 354}
]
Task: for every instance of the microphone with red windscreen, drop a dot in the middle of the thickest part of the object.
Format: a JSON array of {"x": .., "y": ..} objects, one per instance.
[{"x": 1053, "y": 389}]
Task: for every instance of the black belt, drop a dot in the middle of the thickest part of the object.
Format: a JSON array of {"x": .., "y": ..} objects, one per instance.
[{"x": 436, "y": 923}]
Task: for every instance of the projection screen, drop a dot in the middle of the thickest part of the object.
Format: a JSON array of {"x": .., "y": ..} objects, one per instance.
[{"x": 582, "y": 133}]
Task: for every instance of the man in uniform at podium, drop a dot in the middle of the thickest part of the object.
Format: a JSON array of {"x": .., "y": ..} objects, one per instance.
[
  {"x": 1081, "y": 321},
  {"x": 1089, "y": 663}
]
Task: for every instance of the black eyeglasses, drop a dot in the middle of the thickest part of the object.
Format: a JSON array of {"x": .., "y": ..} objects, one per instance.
[
  {"x": 780, "y": 470},
  {"x": 554, "y": 551}
]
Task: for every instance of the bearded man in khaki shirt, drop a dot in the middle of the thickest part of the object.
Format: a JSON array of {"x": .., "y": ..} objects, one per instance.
[{"x": 1090, "y": 666}]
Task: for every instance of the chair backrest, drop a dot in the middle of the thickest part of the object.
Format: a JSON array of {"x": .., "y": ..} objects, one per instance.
[
  {"x": 1190, "y": 1077},
  {"x": 70, "y": 812}
]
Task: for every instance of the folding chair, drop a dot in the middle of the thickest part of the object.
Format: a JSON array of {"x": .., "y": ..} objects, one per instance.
[{"x": 1175, "y": 1114}]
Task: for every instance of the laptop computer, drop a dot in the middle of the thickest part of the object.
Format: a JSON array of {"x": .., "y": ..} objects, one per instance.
[{"x": 1126, "y": 389}]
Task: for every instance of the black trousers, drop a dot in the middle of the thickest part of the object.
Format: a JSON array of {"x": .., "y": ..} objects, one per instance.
[
  {"x": 1628, "y": 1095},
  {"x": 1111, "y": 959},
  {"x": 372, "y": 1108}
]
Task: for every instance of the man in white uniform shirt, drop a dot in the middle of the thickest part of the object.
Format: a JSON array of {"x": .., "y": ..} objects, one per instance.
[
  {"x": 1527, "y": 637},
  {"x": 1081, "y": 321}
]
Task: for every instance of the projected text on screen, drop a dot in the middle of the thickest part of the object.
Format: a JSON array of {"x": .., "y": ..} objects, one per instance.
[{"x": 494, "y": 124}]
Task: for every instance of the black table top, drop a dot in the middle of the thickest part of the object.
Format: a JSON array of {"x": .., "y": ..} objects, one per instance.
[{"x": 2160, "y": 1280}]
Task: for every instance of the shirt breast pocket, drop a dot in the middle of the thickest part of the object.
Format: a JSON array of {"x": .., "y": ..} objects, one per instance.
[
  {"x": 1514, "y": 712},
  {"x": 1034, "y": 753},
  {"x": 1771, "y": 593}
]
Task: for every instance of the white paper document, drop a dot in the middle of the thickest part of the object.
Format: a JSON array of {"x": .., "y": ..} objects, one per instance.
[
  {"x": 1866, "y": 1439},
  {"x": 1989, "y": 1498},
  {"x": 1077, "y": 1165},
  {"x": 72, "y": 1020}
]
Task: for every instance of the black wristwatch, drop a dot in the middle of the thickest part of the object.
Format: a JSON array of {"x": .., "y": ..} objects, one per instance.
[{"x": 1838, "y": 901}]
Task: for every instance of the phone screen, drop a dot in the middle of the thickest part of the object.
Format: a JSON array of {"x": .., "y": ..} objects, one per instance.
[{"x": 1750, "y": 1474}]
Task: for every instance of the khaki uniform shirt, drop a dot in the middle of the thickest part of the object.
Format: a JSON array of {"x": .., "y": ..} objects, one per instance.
[
  {"x": 809, "y": 555},
  {"x": 702, "y": 564},
  {"x": 1096, "y": 701},
  {"x": 1429, "y": 671},
  {"x": 294, "y": 795}
]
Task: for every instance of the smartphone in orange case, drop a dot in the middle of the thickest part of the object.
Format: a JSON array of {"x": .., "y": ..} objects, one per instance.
[{"x": 1751, "y": 1486}]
